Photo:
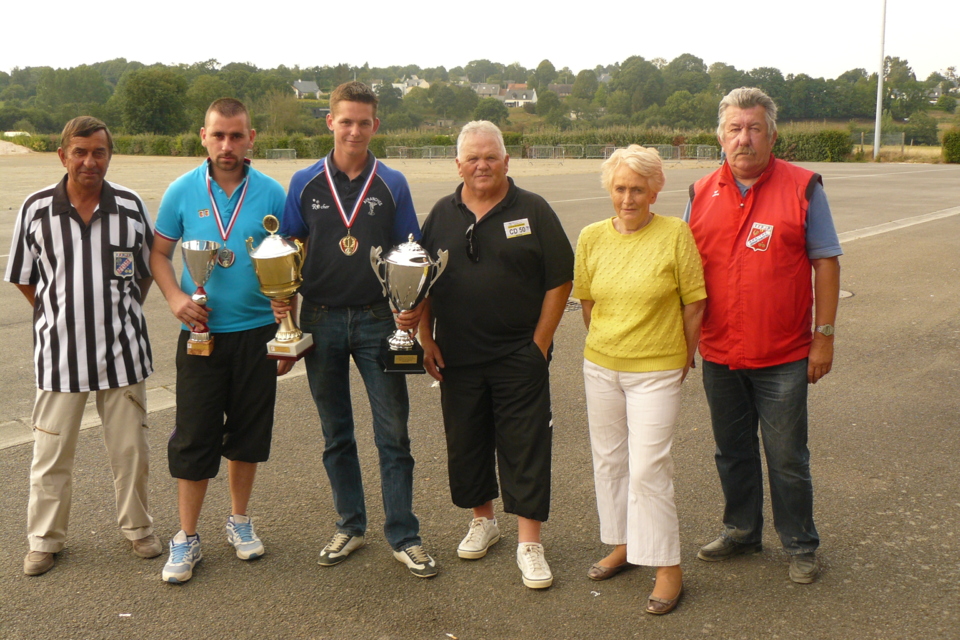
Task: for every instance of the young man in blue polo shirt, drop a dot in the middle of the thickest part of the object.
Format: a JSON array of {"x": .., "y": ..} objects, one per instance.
[
  {"x": 343, "y": 205},
  {"x": 225, "y": 399}
]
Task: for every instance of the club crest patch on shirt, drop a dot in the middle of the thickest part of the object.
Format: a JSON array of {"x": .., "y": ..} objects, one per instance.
[
  {"x": 759, "y": 238},
  {"x": 204, "y": 213},
  {"x": 373, "y": 203},
  {"x": 517, "y": 228},
  {"x": 123, "y": 264}
]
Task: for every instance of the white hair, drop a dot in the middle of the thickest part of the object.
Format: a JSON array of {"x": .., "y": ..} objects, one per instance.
[{"x": 481, "y": 128}]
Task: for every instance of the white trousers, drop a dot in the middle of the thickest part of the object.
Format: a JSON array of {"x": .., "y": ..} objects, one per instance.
[
  {"x": 56, "y": 426},
  {"x": 632, "y": 417}
]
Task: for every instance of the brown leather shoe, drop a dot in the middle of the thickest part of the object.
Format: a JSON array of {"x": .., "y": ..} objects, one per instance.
[
  {"x": 661, "y": 606},
  {"x": 148, "y": 547},
  {"x": 598, "y": 572},
  {"x": 37, "y": 563}
]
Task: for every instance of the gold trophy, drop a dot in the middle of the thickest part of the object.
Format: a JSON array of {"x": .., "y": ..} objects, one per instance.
[
  {"x": 199, "y": 259},
  {"x": 277, "y": 263}
]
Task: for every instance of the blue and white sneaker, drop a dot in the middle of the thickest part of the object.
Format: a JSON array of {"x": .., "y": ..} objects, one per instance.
[
  {"x": 184, "y": 555},
  {"x": 241, "y": 536}
]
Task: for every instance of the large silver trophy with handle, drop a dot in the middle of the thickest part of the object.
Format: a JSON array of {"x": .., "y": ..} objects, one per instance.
[
  {"x": 277, "y": 263},
  {"x": 406, "y": 273},
  {"x": 199, "y": 259}
]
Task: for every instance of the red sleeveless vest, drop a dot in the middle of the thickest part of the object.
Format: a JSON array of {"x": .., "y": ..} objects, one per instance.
[{"x": 759, "y": 279}]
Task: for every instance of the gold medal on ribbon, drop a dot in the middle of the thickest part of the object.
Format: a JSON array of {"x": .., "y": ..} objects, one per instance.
[{"x": 349, "y": 244}]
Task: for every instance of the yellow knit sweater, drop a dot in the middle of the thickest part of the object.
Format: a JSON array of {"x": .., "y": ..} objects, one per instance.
[{"x": 639, "y": 284}]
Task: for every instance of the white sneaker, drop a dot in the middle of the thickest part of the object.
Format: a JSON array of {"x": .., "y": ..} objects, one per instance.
[
  {"x": 533, "y": 566},
  {"x": 418, "y": 561},
  {"x": 184, "y": 556},
  {"x": 241, "y": 536},
  {"x": 483, "y": 534}
]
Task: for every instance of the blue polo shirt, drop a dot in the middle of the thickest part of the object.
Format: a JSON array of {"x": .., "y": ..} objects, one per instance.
[{"x": 186, "y": 213}]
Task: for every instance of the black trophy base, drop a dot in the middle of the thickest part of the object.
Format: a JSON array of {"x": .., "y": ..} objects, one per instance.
[{"x": 406, "y": 361}]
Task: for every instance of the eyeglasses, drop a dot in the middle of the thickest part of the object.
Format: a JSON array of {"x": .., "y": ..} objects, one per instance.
[{"x": 473, "y": 244}]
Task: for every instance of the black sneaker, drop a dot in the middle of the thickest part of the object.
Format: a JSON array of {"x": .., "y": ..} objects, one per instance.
[
  {"x": 340, "y": 546},
  {"x": 418, "y": 561}
]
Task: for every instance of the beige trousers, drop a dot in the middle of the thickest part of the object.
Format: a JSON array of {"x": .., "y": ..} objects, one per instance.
[{"x": 56, "y": 426}]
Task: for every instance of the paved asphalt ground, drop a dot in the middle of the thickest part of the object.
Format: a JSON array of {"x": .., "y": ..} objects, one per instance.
[{"x": 885, "y": 465}]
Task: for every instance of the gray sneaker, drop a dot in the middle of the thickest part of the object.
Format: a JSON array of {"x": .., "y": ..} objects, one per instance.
[
  {"x": 340, "y": 546},
  {"x": 804, "y": 568},
  {"x": 483, "y": 534},
  {"x": 418, "y": 561},
  {"x": 724, "y": 548}
]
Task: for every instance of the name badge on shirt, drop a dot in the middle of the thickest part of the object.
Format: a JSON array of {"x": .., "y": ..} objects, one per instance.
[
  {"x": 759, "y": 238},
  {"x": 123, "y": 264},
  {"x": 517, "y": 228}
]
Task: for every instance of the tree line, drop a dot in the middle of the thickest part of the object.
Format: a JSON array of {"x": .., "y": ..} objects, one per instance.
[{"x": 680, "y": 94}]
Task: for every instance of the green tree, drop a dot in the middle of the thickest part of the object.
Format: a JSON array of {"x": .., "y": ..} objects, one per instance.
[
  {"x": 770, "y": 81},
  {"x": 492, "y": 110},
  {"x": 546, "y": 74},
  {"x": 585, "y": 86},
  {"x": 153, "y": 101},
  {"x": 686, "y": 72},
  {"x": 480, "y": 70},
  {"x": 642, "y": 81},
  {"x": 724, "y": 78},
  {"x": 946, "y": 103},
  {"x": 547, "y": 101},
  {"x": 204, "y": 90},
  {"x": 465, "y": 103}
]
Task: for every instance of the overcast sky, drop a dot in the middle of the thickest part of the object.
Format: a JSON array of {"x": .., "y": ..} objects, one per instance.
[{"x": 822, "y": 38}]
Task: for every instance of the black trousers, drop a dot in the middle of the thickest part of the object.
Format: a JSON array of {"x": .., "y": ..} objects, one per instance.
[{"x": 499, "y": 414}]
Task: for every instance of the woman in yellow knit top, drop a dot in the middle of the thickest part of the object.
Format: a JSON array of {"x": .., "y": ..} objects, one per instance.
[{"x": 640, "y": 280}]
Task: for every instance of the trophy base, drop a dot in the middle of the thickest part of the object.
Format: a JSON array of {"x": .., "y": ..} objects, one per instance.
[
  {"x": 290, "y": 350},
  {"x": 200, "y": 347},
  {"x": 407, "y": 361}
]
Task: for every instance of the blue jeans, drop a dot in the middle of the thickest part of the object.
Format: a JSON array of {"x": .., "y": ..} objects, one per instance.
[
  {"x": 776, "y": 397},
  {"x": 338, "y": 334}
]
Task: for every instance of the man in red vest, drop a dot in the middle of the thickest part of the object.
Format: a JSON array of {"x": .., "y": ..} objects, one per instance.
[{"x": 761, "y": 224}]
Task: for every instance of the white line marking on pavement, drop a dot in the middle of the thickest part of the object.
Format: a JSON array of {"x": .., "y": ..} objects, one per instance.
[{"x": 866, "y": 232}]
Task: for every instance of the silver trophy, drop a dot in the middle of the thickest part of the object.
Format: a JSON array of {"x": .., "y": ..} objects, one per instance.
[
  {"x": 406, "y": 274},
  {"x": 277, "y": 262},
  {"x": 199, "y": 259}
]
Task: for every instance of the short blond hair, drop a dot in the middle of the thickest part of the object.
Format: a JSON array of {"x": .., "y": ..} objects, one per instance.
[{"x": 641, "y": 160}]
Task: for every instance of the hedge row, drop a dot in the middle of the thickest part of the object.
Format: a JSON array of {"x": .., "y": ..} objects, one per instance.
[
  {"x": 951, "y": 146},
  {"x": 827, "y": 145}
]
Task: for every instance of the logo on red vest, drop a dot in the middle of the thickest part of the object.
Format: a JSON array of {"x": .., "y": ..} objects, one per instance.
[{"x": 759, "y": 238}]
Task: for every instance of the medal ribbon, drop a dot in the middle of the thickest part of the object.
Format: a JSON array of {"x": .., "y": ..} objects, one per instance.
[
  {"x": 348, "y": 222},
  {"x": 225, "y": 233}
]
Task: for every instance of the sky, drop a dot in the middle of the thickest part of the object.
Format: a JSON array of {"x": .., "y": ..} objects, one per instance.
[{"x": 822, "y": 38}]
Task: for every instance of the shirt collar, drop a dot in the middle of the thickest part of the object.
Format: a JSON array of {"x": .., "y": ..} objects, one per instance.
[
  {"x": 507, "y": 201},
  {"x": 336, "y": 173},
  {"x": 61, "y": 200}
]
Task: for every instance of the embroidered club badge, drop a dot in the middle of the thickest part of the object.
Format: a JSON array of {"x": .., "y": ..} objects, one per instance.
[
  {"x": 759, "y": 238},
  {"x": 123, "y": 264}
]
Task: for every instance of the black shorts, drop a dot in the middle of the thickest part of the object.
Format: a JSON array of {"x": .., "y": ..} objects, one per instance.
[
  {"x": 224, "y": 403},
  {"x": 499, "y": 414}
]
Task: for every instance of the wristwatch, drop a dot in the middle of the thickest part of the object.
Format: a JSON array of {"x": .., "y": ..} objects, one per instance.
[{"x": 825, "y": 329}]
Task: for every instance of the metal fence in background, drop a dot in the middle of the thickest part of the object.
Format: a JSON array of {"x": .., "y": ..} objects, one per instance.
[{"x": 670, "y": 153}]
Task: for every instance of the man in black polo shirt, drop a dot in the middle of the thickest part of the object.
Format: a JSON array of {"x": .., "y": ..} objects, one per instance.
[
  {"x": 496, "y": 308},
  {"x": 80, "y": 255},
  {"x": 342, "y": 206}
]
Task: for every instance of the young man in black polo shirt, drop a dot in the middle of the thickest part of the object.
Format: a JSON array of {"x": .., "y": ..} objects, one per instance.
[
  {"x": 496, "y": 307},
  {"x": 342, "y": 206}
]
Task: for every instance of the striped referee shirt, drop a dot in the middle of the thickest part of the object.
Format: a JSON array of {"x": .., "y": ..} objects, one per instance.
[{"x": 89, "y": 331}]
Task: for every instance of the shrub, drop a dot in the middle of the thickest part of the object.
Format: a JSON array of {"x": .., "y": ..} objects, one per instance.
[
  {"x": 159, "y": 146},
  {"x": 951, "y": 146}
]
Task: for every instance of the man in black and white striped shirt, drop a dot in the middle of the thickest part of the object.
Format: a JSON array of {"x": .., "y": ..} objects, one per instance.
[{"x": 80, "y": 255}]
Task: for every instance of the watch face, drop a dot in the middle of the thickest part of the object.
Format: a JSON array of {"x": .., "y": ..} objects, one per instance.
[{"x": 826, "y": 329}]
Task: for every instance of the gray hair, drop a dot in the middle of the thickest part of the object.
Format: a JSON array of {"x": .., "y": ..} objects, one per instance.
[
  {"x": 481, "y": 128},
  {"x": 747, "y": 98},
  {"x": 642, "y": 160}
]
